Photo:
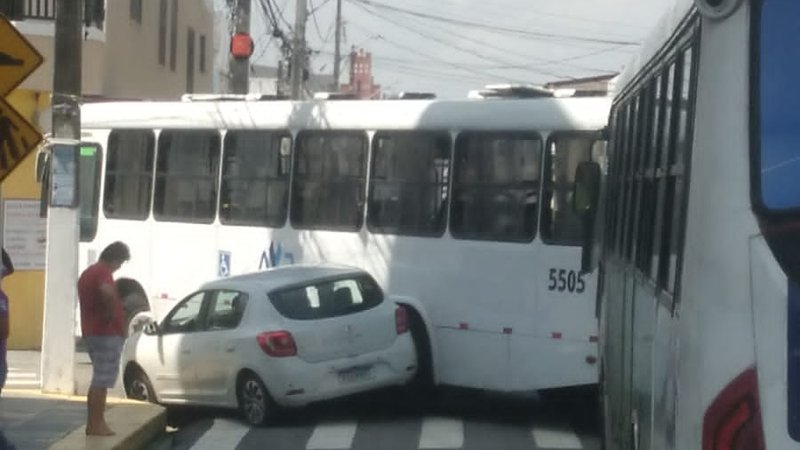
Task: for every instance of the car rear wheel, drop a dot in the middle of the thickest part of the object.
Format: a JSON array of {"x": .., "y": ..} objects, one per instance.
[
  {"x": 138, "y": 386},
  {"x": 255, "y": 402}
]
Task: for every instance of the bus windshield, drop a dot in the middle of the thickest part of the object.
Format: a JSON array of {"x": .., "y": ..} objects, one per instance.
[{"x": 779, "y": 105}]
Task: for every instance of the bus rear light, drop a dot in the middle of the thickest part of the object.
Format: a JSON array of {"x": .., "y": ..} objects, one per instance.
[
  {"x": 555, "y": 335},
  {"x": 592, "y": 338},
  {"x": 507, "y": 330},
  {"x": 277, "y": 343},
  {"x": 733, "y": 420},
  {"x": 463, "y": 326},
  {"x": 401, "y": 320}
]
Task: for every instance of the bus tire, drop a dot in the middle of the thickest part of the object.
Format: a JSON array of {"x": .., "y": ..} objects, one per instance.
[{"x": 423, "y": 379}]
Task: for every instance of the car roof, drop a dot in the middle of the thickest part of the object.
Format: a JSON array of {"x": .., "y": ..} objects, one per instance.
[{"x": 279, "y": 278}]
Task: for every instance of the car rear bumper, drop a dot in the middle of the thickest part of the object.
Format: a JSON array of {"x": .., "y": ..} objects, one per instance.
[{"x": 295, "y": 382}]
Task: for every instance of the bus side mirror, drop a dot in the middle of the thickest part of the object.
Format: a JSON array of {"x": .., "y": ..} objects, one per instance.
[
  {"x": 585, "y": 203},
  {"x": 43, "y": 177},
  {"x": 42, "y": 164}
]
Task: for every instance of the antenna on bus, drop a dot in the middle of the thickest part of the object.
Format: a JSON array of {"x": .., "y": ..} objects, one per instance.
[
  {"x": 415, "y": 96},
  {"x": 231, "y": 97},
  {"x": 512, "y": 91},
  {"x": 335, "y": 96}
]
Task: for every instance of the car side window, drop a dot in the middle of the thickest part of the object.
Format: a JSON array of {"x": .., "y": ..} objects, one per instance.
[
  {"x": 226, "y": 310},
  {"x": 186, "y": 316}
]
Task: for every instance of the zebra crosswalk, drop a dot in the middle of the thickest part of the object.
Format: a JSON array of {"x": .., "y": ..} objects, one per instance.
[
  {"x": 422, "y": 433},
  {"x": 20, "y": 378}
]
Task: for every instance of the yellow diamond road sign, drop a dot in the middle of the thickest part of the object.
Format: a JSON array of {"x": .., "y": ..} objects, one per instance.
[
  {"x": 18, "y": 58},
  {"x": 17, "y": 138}
]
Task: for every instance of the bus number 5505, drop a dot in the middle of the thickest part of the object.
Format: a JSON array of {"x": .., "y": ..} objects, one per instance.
[{"x": 562, "y": 280}]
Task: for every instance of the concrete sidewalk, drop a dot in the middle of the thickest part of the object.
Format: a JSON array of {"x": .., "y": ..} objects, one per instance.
[{"x": 31, "y": 420}]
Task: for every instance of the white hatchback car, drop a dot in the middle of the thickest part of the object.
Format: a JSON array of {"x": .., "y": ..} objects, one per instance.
[{"x": 283, "y": 337}]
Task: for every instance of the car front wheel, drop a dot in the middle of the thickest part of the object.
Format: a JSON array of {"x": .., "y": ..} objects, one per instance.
[
  {"x": 255, "y": 402},
  {"x": 138, "y": 387}
]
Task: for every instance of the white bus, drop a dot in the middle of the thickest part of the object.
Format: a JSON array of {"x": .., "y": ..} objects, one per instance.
[
  {"x": 700, "y": 262},
  {"x": 458, "y": 208}
]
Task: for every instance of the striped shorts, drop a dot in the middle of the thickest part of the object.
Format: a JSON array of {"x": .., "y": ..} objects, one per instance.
[{"x": 104, "y": 351}]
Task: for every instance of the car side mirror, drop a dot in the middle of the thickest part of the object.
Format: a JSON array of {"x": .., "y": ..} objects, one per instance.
[
  {"x": 585, "y": 203},
  {"x": 152, "y": 329}
]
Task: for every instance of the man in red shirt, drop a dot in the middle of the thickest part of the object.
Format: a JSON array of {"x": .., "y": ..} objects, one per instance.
[{"x": 102, "y": 326}]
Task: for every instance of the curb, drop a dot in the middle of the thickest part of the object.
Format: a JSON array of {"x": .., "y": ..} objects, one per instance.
[
  {"x": 37, "y": 393},
  {"x": 135, "y": 423}
]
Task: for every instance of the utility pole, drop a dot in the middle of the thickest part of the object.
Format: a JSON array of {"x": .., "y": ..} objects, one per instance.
[
  {"x": 240, "y": 66},
  {"x": 337, "y": 56},
  {"x": 63, "y": 226},
  {"x": 299, "y": 50}
]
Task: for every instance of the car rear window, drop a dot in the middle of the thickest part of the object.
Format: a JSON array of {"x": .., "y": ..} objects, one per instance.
[{"x": 328, "y": 298}]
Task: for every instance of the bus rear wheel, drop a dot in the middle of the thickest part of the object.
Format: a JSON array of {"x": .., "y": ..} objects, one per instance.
[{"x": 423, "y": 380}]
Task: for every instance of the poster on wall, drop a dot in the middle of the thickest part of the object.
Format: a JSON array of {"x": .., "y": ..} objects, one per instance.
[{"x": 24, "y": 234}]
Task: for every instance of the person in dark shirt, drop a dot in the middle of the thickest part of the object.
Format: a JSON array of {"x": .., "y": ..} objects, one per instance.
[{"x": 7, "y": 269}]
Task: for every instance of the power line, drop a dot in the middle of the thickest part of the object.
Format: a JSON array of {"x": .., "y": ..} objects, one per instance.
[
  {"x": 540, "y": 35},
  {"x": 280, "y": 14},
  {"x": 465, "y": 67},
  {"x": 484, "y": 9},
  {"x": 411, "y": 62},
  {"x": 460, "y": 48},
  {"x": 316, "y": 24},
  {"x": 564, "y": 61},
  {"x": 314, "y": 9}
]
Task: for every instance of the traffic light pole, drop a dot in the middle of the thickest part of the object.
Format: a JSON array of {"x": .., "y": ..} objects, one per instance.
[
  {"x": 299, "y": 50},
  {"x": 240, "y": 67},
  {"x": 63, "y": 226},
  {"x": 337, "y": 56}
]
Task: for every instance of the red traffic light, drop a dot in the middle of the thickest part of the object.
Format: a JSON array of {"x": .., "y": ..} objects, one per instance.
[{"x": 241, "y": 45}]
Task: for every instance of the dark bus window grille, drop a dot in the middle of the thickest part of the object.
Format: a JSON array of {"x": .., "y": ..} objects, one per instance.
[
  {"x": 255, "y": 178},
  {"x": 409, "y": 183},
  {"x": 187, "y": 168},
  {"x": 496, "y": 186}
]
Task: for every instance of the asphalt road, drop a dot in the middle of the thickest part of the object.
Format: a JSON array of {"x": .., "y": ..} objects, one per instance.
[{"x": 394, "y": 420}]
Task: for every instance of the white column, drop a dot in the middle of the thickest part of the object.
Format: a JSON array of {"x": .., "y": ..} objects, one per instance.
[{"x": 60, "y": 300}]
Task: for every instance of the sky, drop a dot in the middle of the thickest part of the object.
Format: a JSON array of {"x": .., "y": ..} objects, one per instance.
[{"x": 450, "y": 47}]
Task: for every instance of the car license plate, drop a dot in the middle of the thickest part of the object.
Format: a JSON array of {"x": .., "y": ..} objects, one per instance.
[{"x": 355, "y": 374}]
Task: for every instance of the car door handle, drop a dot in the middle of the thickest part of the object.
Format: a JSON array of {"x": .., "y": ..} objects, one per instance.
[
  {"x": 230, "y": 349},
  {"x": 185, "y": 351}
]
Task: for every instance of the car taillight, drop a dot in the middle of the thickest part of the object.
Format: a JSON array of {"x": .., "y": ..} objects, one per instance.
[
  {"x": 401, "y": 320},
  {"x": 277, "y": 343},
  {"x": 733, "y": 421}
]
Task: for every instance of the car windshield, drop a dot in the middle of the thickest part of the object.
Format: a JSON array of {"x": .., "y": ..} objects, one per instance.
[{"x": 327, "y": 299}]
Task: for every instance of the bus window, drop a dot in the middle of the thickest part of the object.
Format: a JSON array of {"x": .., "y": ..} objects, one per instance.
[
  {"x": 186, "y": 176},
  {"x": 329, "y": 178},
  {"x": 129, "y": 174},
  {"x": 89, "y": 170},
  {"x": 255, "y": 178},
  {"x": 408, "y": 183},
  {"x": 560, "y": 224},
  {"x": 496, "y": 186}
]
